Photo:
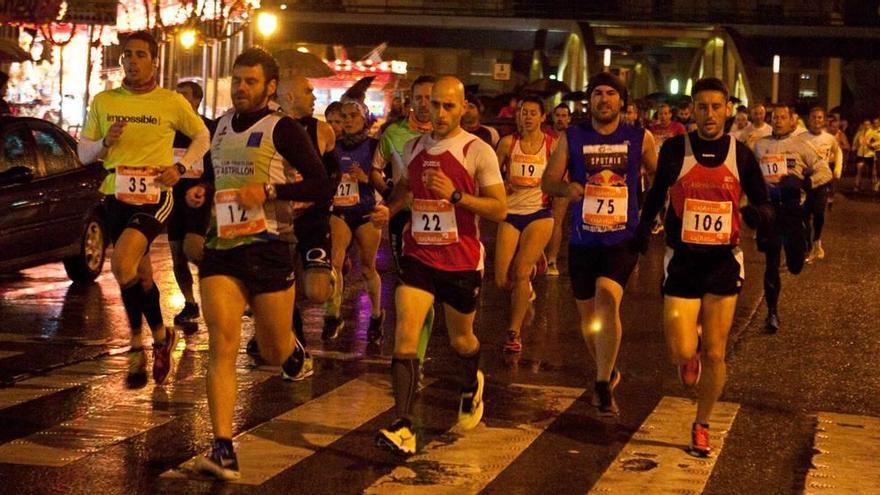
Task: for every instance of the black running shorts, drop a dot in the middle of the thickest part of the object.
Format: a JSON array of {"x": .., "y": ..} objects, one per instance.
[
  {"x": 692, "y": 275},
  {"x": 587, "y": 264},
  {"x": 461, "y": 290},
  {"x": 146, "y": 219},
  {"x": 185, "y": 220},
  {"x": 262, "y": 266}
]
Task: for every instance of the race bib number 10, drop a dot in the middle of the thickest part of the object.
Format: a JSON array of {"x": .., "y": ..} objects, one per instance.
[
  {"x": 233, "y": 220},
  {"x": 433, "y": 222},
  {"x": 706, "y": 222},
  {"x": 774, "y": 168},
  {"x": 137, "y": 185}
]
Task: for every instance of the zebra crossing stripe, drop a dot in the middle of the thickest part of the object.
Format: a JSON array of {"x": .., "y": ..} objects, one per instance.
[
  {"x": 459, "y": 463},
  {"x": 284, "y": 441},
  {"x": 654, "y": 460},
  {"x": 847, "y": 459}
]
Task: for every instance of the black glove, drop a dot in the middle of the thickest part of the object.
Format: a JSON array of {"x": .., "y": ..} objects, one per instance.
[{"x": 806, "y": 184}]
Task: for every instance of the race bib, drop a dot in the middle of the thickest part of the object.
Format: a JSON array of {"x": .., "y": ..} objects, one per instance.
[
  {"x": 137, "y": 186},
  {"x": 526, "y": 170},
  {"x": 194, "y": 172},
  {"x": 706, "y": 222},
  {"x": 347, "y": 192},
  {"x": 233, "y": 220},
  {"x": 774, "y": 168},
  {"x": 605, "y": 206},
  {"x": 433, "y": 222}
]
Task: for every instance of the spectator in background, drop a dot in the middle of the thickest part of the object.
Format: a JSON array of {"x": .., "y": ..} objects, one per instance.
[
  {"x": 509, "y": 111},
  {"x": 561, "y": 117},
  {"x": 684, "y": 115},
  {"x": 740, "y": 124},
  {"x": 333, "y": 116},
  {"x": 470, "y": 121},
  {"x": 631, "y": 115}
]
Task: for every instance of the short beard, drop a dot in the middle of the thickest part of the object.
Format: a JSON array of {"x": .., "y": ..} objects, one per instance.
[{"x": 614, "y": 116}]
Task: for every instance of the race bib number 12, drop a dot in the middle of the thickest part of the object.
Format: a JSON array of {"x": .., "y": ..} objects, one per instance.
[
  {"x": 233, "y": 220},
  {"x": 433, "y": 222},
  {"x": 137, "y": 185}
]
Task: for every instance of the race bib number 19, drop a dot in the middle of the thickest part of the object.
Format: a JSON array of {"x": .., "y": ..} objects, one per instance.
[
  {"x": 137, "y": 186},
  {"x": 605, "y": 206},
  {"x": 433, "y": 222},
  {"x": 526, "y": 170},
  {"x": 233, "y": 220},
  {"x": 706, "y": 222}
]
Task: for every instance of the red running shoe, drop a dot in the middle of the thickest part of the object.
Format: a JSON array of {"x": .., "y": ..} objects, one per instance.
[
  {"x": 699, "y": 446},
  {"x": 162, "y": 359}
]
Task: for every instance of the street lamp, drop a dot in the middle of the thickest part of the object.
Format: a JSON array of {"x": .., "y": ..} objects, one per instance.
[
  {"x": 606, "y": 60},
  {"x": 267, "y": 23},
  {"x": 673, "y": 86},
  {"x": 188, "y": 39},
  {"x": 775, "y": 81}
]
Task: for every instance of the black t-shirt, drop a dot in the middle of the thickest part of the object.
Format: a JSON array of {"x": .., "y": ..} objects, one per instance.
[{"x": 710, "y": 154}]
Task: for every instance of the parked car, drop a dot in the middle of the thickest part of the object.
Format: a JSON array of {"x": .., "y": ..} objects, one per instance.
[{"x": 50, "y": 206}]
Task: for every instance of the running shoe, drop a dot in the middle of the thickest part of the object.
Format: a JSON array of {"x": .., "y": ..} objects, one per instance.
[
  {"x": 188, "y": 314},
  {"x": 513, "y": 343},
  {"x": 612, "y": 384},
  {"x": 252, "y": 348},
  {"x": 162, "y": 359},
  {"x": 470, "y": 409},
  {"x": 820, "y": 253},
  {"x": 137, "y": 369},
  {"x": 552, "y": 270},
  {"x": 298, "y": 366},
  {"x": 689, "y": 372},
  {"x": 398, "y": 438},
  {"x": 332, "y": 326},
  {"x": 221, "y": 463},
  {"x": 771, "y": 324},
  {"x": 699, "y": 446},
  {"x": 374, "y": 332},
  {"x": 605, "y": 397}
]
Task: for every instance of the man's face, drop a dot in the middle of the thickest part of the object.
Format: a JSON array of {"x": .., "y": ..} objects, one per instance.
[
  {"x": 816, "y": 122},
  {"x": 187, "y": 94},
  {"x": 664, "y": 115},
  {"x": 352, "y": 119},
  {"x": 631, "y": 115},
  {"x": 335, "y": 121},
  {"x": 782, "y": 121},
  {"x": 605, "y": 104},
  {"x": 446, "y": 111},
  {"x": 757, "y": 114},
  {"x": 421, "y": 102},
  {"x": 875, "y": 123},
  {"x": 741, "y": 120},
  {"x": 250, "y": 92},
  {"x": 302, "y": 97},
  {"x": 137, "y": 62},
  {"x": 685, "y": 113},
  {"x": 471, "y": 115},
  {"x": 561, "y": 119},
  {"x": 833, "y": 126},
  {"x": 530, "y": 116},
  {"x": 710, "y": 112}
]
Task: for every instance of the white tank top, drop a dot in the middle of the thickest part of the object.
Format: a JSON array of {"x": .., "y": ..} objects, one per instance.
[{"x": 524, "y": 175}]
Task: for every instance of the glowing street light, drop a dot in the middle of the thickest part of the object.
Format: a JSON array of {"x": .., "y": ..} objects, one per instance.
[
  {"x": 188, "y": 39},
  {"x": 673, "y": 86},
  {"x": 267, "y": 23},
  {"x": 607, "y": 58},
  {"x": 774, "y": 81}
]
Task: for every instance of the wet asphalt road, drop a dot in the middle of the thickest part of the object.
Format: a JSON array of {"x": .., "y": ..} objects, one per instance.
[{"x": 60, "y": 365}]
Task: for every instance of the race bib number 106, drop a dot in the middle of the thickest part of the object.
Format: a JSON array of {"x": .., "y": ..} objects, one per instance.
[{"x": 706, "y": 222}]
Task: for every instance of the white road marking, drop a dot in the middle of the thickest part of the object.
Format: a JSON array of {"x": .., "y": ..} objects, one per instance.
[{"x": 847, "y": 459}]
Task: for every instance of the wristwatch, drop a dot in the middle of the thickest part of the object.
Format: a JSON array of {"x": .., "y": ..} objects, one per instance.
[
  {"x": 181, "y": 168},
  {"x": 270, "y": 191},
  {"x": 456, "y": 197}
]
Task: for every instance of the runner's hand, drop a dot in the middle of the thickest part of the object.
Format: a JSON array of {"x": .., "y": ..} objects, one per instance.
[
  {"x": 575, "y": 191},
  {"x": 169, "y": 176},
  {"x": 438, "y": 183},
  {"x": 251, "y": 196},
  {"x": 113, "y": 134},
  {"x": 358, "y": 173},
  {"x": 195, "y": 196},
  {"x": 380, "y": 216}
]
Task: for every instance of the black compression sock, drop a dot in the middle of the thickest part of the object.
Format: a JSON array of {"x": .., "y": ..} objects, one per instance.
[
  {"x": 151, "y": 308},
  {"x": 404, "y": 381},
  {"x": 133, "y": 300},
  {"x": 469, "y": 366},
  {"x": 298, "y": 326}
]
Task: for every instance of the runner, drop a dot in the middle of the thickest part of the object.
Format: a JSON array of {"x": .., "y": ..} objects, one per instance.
[
  {"x": 665, "y": 127},
  {"x": 132, "y": 129},
  {"x": 790, "y": 166},
  {"x": 352, "y": 206},
  {"x": 333, "y": 116},
  {"x": 603, "y": 158},
  {"x": 187, "y": 226},
  {"x": 757, "y": 127},
  {"x": 705, "y": 174},
  {"x": 559, "y": 206},
  {"x": 470, "y": 121},
  {"x": 817, "y": 198},
  {"x": 845, "y": 149},
  {"x": 525, "y": 232},
  {"x": 248, "y": 255},
  {"x": 740, "y": 123},
  {"x": 631, "y": 116},
  {"x": 684, "y": 114},
  {"x": 453, "y": 178}
]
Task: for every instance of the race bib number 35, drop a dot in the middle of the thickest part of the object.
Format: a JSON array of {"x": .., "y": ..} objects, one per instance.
[
  {"x": 605, "y": 206},
  {"x": 526, "y": 170},
  {"x": 706, "y": 222},
  {"x": 233, "y": 220},
  {"x": 347, "y": 192},
  {"x": 433, "y": 222},
  {"x": 774, "y": 168},
  {"x": 137, "y": 186}
]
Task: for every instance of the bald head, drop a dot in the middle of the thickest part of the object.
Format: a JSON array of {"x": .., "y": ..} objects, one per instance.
[
  {"x": 447, "y": 106},
  {"x": 296, "y": 97}
]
